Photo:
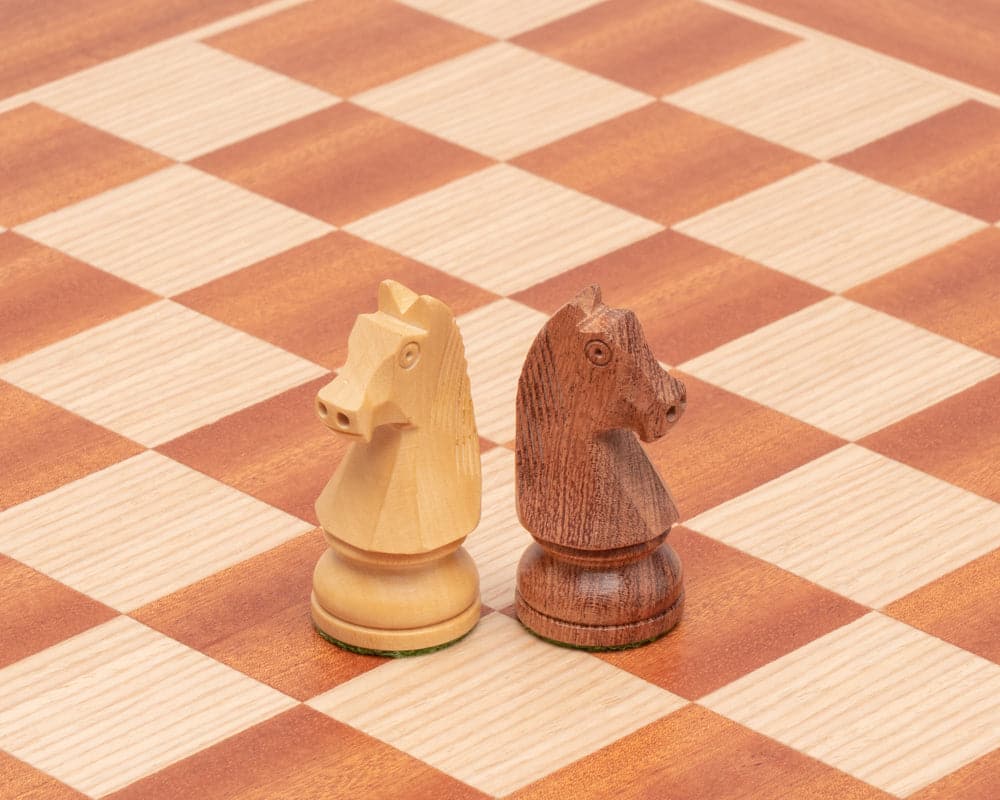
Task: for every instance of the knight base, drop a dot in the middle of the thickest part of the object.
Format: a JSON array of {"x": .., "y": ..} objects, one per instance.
[
  {"x": 600, "y": 600},
  {"x": 394, "y": 604}
]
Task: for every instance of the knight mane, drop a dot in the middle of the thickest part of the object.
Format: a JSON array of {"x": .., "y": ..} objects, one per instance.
[{"x": 452, "y": 411}]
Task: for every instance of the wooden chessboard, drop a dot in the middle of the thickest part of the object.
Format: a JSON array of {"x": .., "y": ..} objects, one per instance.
[{"x": 799, "y": 199}]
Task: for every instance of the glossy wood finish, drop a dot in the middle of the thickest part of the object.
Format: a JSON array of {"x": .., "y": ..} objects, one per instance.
[
  {"x": 346, "y": 48},
  {"x": 300, "y": 754},
  {"x": 697, "y": 755},
  {"x": 646, "y": 161},
  {"x": 953, "y": 158},
  {"x": 276, "y": 299},
  {"x": 657, "y": 46},
  {"x": 954, "y": 291},
  {"x": 51, "y": 160},
  {"x": 957, "y": 440},
  {"x": 600, "y": 573},
  {"x": 959, "y": 607},
  {"x": 342, "y": 163},
  {"x": 712, "y": 296},
  {"x": 254, "y": 616},
  {"x": 740, "y": 613},
  {"x": 44, "y": 41},
  {"x": 43, "y": 446},
  {"x": 40, "y": 612},
  {"x": 46, "y": 295},
  {"x": 32, "y": 784},
  {"x": 959, "y": 41}
]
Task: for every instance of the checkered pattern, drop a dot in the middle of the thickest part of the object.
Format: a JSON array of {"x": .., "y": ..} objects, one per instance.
[{"x": 191, "y": 219}]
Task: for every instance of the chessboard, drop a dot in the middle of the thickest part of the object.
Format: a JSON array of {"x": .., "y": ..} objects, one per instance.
[{"x": 799, "y": 200}]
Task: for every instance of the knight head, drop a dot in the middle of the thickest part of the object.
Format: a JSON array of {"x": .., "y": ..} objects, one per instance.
[
  {"x": 393, "y": 362},
  {"x": 602, "y": 356}
]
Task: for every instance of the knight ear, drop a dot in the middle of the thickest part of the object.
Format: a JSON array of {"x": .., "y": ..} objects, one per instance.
[
  {"x": 395, "y": 299},
  {"x": 589, "y": 299}
]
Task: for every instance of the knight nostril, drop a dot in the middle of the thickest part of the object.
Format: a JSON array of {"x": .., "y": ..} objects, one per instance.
[
  {"x": 672, "y": 414},
  {"x": 321, "y": 409},
  {"x": 343, "y": 420}
]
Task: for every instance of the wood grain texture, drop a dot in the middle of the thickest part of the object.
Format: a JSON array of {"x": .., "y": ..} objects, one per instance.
[
  {"x": 50, "y": 160},
  {"x": 504, "y": 19},
  {"x": 697, "y": 755},
  {"x": 829, "y": 226},
  {"x": 273, "y": 450},
  {"x": 45, "y": 41},
  {"x": 978, "y": 780},
  {"x": 730, "y": 445},
  {"x": 408, "y": 490},
  {"x": 39, "y": 612},
  {"x": 818, "y": 97},
  {"x": 254, "y": 617},
  {"x": 844, "y": 367},
  {"x": 857, "y": 699},
  {"x": 875, "y": 539},
  {"x": 141, "y": 528},
  {"x": 502, "y": 100},
  {"x": 43, "y": 446},
  {"x": 503, "y": 215},
  {"x": 210, "y": 98},
  {"x": 544, "y": 707},
  {"x": 954, "y": 291},
  {"x": 299, "y": 754},
  {"x": 84, "y": 710},
  {"x": 225, "y": 228},
  {"x": 953, "y": 158},
  {"x": 960, "y": 607},
  {"x": 342, "y": 163},
  {"x": 691, "y": 296},
  {"x": 957, "y": 440},
  {"x": 347, "y": 48},
  {"x": 46, "y": 296},
  {"x": 961, "y": 42},
  {"x": 163, "y": 370},
  {"x": 657, "y": 47},
  {"x": 599, "y": 573},
  {"x": 276, "y": 299},
  {"x": 740, "y": 613},
  {"x": 663, "y": 162},
  {"x": 20, "y": 781}
]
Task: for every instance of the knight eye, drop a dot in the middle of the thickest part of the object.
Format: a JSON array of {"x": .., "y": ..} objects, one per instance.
[
  {"x": 598, "y": 352},
  {"x": 409, "y": 355}
]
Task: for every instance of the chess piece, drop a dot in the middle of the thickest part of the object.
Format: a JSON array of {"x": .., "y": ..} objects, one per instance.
[
  {"x": 600, "y": 573},
  {"x": 396, "y": 579}
]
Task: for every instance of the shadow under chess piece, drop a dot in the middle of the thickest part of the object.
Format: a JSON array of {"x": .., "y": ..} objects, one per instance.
[
  {"x": 396, "y": 579},
  {"x": 600, "y": 574}
]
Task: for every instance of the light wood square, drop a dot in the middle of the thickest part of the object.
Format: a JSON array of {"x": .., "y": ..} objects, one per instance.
[
  {"x": 844, "y": 367},
  {"x": 174, "y": 230},
  {"x": 121, "y": 701},
  {"x": 158, "y": 372},
  {"x": 499, "y": 709},
  {"x": 182, "y": 98},
  {"x": 497, "y": 339},
  {"x": 502, "y": 100},
  {"x": 831, "y": 227},
  {"x": 498, "y": 542},
  {"x": 866, "y": 526},
  {"x": 503, "y": 229},
  {"x": 884, "y": 702},
  {"x": 501, "y": 19},
  {"x": 818, "y": 98},
  {"x": 140, "y": 529}
]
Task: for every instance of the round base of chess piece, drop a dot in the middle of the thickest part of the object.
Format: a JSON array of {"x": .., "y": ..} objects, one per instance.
[
  {"x": 394, "y": 604},
  {"x": 600, "y": 600}
]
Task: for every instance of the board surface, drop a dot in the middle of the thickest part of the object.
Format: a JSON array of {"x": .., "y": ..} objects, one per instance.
[{"x": 196, "y": 201}]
